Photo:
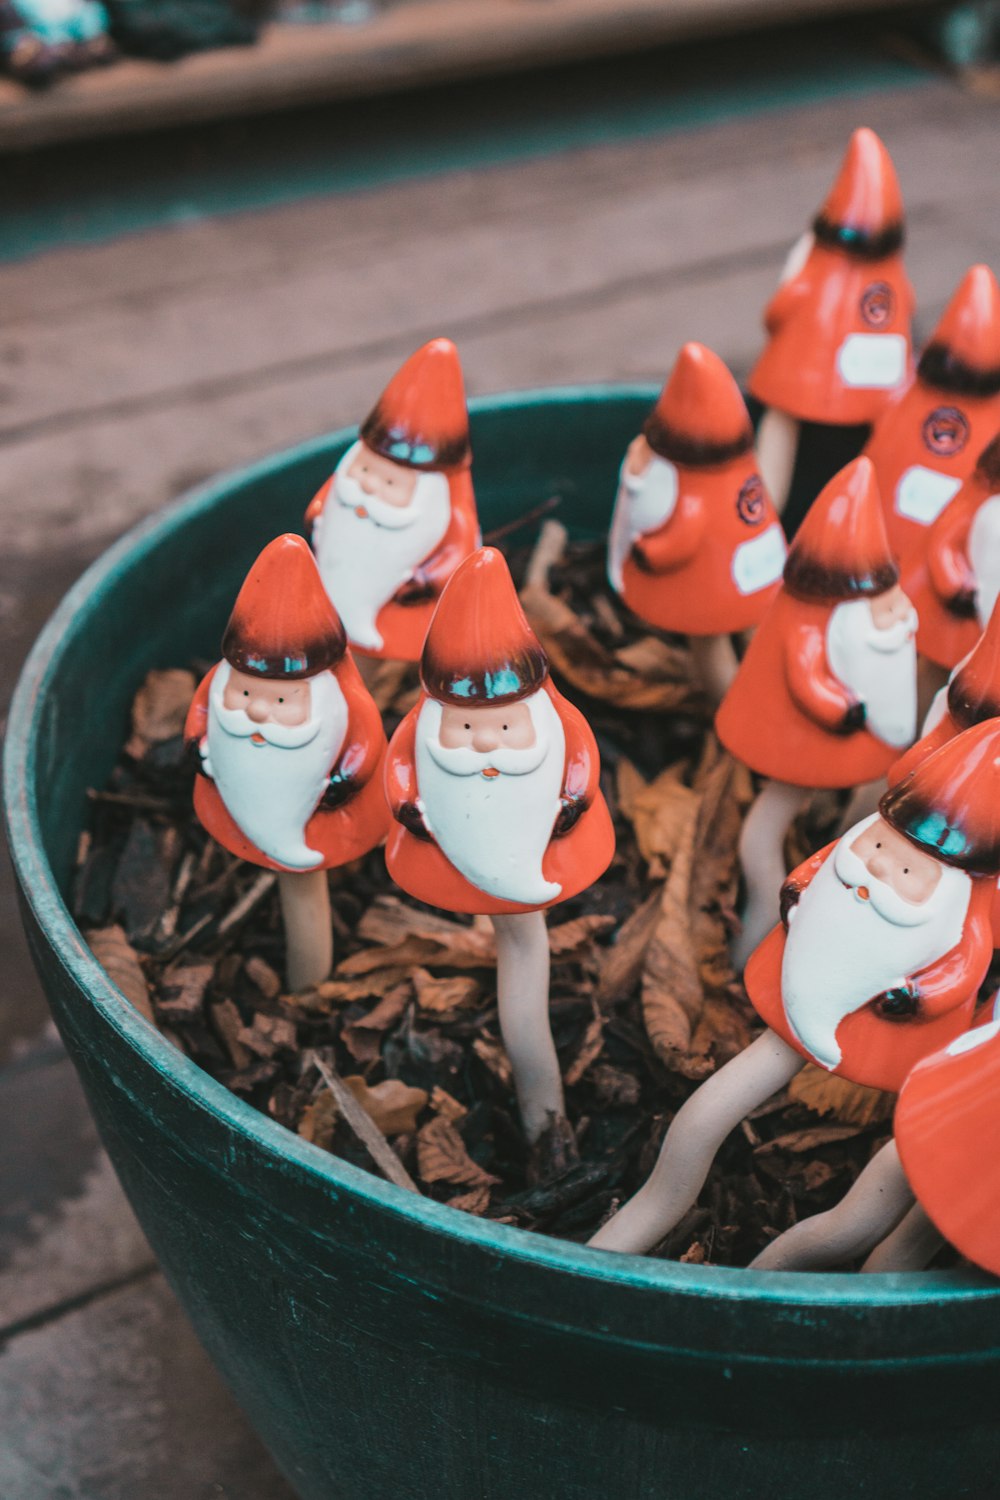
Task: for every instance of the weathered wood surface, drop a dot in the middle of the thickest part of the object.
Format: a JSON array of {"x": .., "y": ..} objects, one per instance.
[
  {"x": 128, "y": 370},
  {"x": 402, "y": 45}
]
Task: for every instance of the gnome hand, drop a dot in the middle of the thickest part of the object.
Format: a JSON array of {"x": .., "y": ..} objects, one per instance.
[
  {"x": 571, "y": 810},
  {"x": 339, "y": 789},
  {"x": 411, "y": 815},
  {"x": 963, "y": 602},
  {"x": 640, "y": 557},
  {"x": 416, "y": 590},
  {"x": 899, "y": 1003},
  {"x": 854, "y": 718},
  {"x": 197, "y": 752},
  {"x": 788, "y": 900}
]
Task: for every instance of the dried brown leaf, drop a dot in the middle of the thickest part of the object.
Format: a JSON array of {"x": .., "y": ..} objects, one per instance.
[
  {"x": 614, "y": 1086},
  {"x": 268, "y": 1035},
  {"x": 476, "y": 1201},
  {"x": 393, "y": 1105},
  {"x": 810, "y": 1139},
  {"x": 621, "y": 964},
  {"x": 572, "y": 939},
  {"x": 159, "y": 709},
  {"x": 492, "y": 1054},
  {"x": 443, "y": 995},
  {"x": 442, "y": 1103},
  {"x": 319, "y": 1120},
  {"x": 228, "y": 1024},
  {"x": 589, "y": 1050},
  {"x": 260, "y": 973},
  {"x": 672, "y": 994},
  {"x": 826, "y": 1094},
  {"x": 660, "y": 815},
  {"x": 182, "y": 991},
  {"x": 120, "y": 961},
  {"x": 362, "y": 1037},
  {"x": 442, "y": 1157}
]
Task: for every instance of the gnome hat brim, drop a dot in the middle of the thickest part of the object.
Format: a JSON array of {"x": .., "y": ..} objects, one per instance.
[
  {"x": 700, "y": 418},
  {"x": 421, "y": 418},
  {"x": 841, "y": 550},
  {"x": 480, "y": 648},
  {"x": 863, "y": 212},
  {"x": 949, "y": 804}
]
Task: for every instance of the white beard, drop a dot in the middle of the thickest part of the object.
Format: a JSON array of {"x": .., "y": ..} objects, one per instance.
[
  {"x": 495, "y": 831},
  {"x": 984, "y": 557},
  {"x": 879, "y": 667},
  {"x": 643, "y": 503},
  {"x": 841, "y": 951},
  {"x": 272, "y": 790},
  {"x": 363, "y": 560}
]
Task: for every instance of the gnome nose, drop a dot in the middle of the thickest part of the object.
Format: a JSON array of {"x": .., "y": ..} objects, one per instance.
[
  {"x": 485, "y": 739},
  {"x": 259, "y": 710}
]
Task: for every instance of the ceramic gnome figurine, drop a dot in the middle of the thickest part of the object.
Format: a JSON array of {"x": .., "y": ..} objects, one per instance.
[
  {"x": 493, "y": 780},
  {"x": 289, "y": 747},
  {"x": 958, "y": 581},
  {"x": 884, "y": 941},
  {"x": 398, "y": 514},
  {"x": 925, "y": 444},
  {"x": 838, "y": 327},
  {"x": 826, "y": 695},
  {"x": 695, "y": 543}
]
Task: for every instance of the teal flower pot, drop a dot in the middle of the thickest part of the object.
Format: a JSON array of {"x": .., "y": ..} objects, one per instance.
[{"x": 387, "y": 1347}]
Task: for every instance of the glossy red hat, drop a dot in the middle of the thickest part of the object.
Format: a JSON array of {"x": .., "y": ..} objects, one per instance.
[
  {"x": 421, "y": 418},
  {"x": 974, "y": 690},
  {"x": 480, "y": 648},
  {"x": 283, "y": 624},
  {"x": 963, "y": 353},
  {"x": 949, "y": 804},
  {"x": 863, "y": 212},
  {"x": 841, "y": 550},
  {"x": 947, "y": 1129},
  {"x": 700, "y": 417}
]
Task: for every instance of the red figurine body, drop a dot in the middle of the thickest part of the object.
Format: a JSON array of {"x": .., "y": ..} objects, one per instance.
[
  {"x": 493, "y": 780},
  {"x": 926, "y": 443},
  {"x": 695, "y": 543},
  {"x": 398, "y": 514},
  {"x": 838, "y": 327},
  {"x": 884, "y": 942},
  {"x": 957, "y": 582},
  {"x": 947, "y": 1130},
  {"x": 289, "y": 741},
  {"x": 826, "y": 694}
]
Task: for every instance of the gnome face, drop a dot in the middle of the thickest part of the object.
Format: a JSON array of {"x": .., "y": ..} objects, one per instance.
[
  {"x": 489, "y": 779},
  {"x": 984, "y": 556},
  {"x": 647, "y": 495},
  {"x": 381, "y": 521},
  {"x": 871, "y": 648},
  {"x": 271, "y": 744},
  {"x": 878, "y": 911}
]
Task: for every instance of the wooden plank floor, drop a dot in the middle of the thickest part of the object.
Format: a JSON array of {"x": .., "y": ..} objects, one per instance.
[{"x": 132, "y": 368}]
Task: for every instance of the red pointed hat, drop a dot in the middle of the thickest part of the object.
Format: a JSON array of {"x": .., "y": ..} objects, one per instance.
[
  {"x": 700, "y": 417},
  {"x": 863, "y": 212},
  {"x": 841, "y": 550},
  {"x": 949, "y": 804},
  {"x": 963, "y": 354},
  {"x": 421, "y": 418},
  {"x": 974, "y": 690},
  {"x": 480, "y": 648},
  {"x": 283, "y": 624}
]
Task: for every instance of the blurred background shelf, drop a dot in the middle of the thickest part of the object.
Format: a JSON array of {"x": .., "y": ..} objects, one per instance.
[{"x": 415, "y": 43}]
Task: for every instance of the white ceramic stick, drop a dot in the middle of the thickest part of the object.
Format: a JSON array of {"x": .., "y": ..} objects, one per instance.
[
  {"x": 523, "y": 1003},
  {"x": 777, "y": 445},
  {"x": 911, "y": 1246},
  {"x": 305, "y": 911},
  {"x": 762, "y": 857},
  {"x": 695, "y": 1135},
  {"x": 715, "y": 664}
]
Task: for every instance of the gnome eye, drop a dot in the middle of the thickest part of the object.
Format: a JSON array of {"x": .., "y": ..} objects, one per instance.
[
  {"x": 879, "y": 844},
  {"x": 504, "y": 727},
  {"x": 468, "y": 726},
  {"x": 906, "y": 869},
  {"x": 281, "y": 700},
  {"x": 246, "y": 692}
]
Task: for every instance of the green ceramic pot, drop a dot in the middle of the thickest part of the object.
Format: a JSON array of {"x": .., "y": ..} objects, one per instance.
[{"x": 386, "y": 1347}]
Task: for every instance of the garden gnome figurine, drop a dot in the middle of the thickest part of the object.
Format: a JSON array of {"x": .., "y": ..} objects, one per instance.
[
  {"x": 493, "y": 780},
  {"x": 838, "y": 327},
  {"x": 884, "y": 941},
  {"x": 826, "y": 695},
  {"x": 290, "y": 747},
  {"x": 925, "y": 444},
  {"x": 695, "y": 543},
  {"x": 957, "y": 583},
  {"x": 398, "y": 514}
]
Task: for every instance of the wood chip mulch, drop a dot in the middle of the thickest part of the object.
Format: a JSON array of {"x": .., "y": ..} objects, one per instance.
[{"x": 644, "y": 1000}]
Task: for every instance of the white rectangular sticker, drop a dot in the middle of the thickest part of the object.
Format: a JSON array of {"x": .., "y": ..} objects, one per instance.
[
  {"x": 922, "y": 494},
  {"x": 872, "y": 361},
  {"x": 760, "y": 561}
]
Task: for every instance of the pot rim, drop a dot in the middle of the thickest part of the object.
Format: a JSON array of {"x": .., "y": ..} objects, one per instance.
[{"x": 40, "y": 891}]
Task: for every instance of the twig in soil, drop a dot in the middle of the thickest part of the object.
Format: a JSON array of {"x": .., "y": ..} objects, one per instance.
[
  {"x": 247, "y": 902},
  {"x": 364, "y": 1127},
  {"x": 168, "y": 922},
  {"x": 525, "y": 519},
  {"x": 549, "y": 550}
]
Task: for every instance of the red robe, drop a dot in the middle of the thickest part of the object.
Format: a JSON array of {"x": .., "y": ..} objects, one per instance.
[
  {"x": 574, "y": 859},
  {"x": 947, "y": 1130},
  {"x": 941, "y": 582},
  {"x": 404, "y": 620},
  {"x": 878, "y": 1050},
  {"x": 937, "y": 430},
  {"x": 684, "y": 575},
  {"x": 783, "y": 716},
  {"x": 807, "y": 320},
  {"x": 340, "y": 833}
]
